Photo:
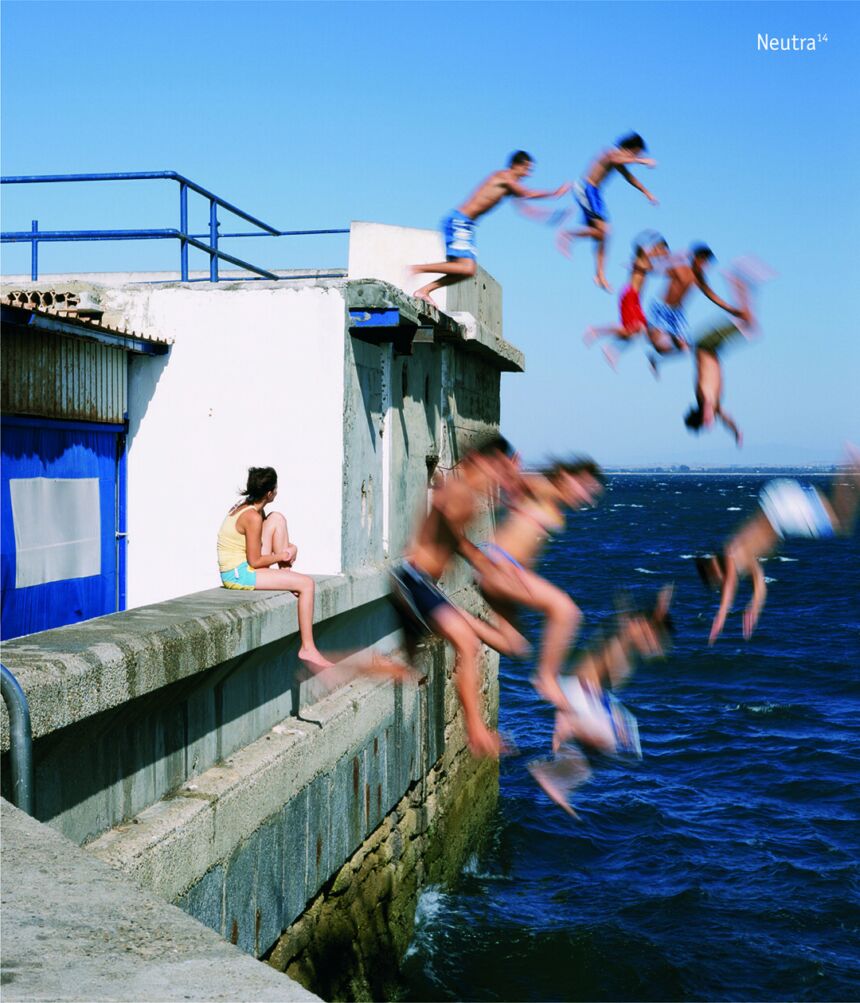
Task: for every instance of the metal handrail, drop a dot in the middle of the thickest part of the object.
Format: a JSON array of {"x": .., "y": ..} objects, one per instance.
[
  {"x": 35, "y": 236},
  {"x": 20, "y": 741}
]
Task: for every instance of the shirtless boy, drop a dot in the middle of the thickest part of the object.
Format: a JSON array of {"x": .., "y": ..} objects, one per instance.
[
  {"x": 458, "y": 228},
  {"x": 633, "y": 320},
  {"x": 709, "y": 371},
  {"x": 537, "y": 513},
  {"x": 627, "y": 151},
  {"x": 593, "y": 718},
  {"x": 667, "y": 321},
  {"x": 787, "y": 509},
  {"x": 424, "y": 607}
]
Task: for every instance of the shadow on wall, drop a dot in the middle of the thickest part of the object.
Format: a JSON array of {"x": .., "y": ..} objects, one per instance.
[
  {"x": 130, "y": 756},
  {"x": 144, "y": 372}
]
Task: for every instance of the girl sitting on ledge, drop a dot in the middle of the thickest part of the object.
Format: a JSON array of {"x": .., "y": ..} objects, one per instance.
[{"x": 254, "y": 552}]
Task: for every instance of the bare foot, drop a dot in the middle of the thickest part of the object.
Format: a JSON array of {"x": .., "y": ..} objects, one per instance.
[
  {"x": 420, "y": 294},
  {"x": 590, "y": 336},
  {"x": 547, "y": 687},
  {"x": 563, "y": 241},
  {"x": 611, "y": 357},
  {"x": 314, "y": 659},
  {"x": 484, "y": 743},
  {"x": 601, "y": 283},
  {"x": 544, "y": 775}
]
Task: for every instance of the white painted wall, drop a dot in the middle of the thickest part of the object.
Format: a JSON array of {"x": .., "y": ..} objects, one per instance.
[
  {"x": 379, "y": 251},
  {"x": 254, "y": 378}
]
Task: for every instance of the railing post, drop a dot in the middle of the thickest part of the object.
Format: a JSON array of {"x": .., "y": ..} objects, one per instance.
[
  {"x": 213, "y": 240},
  {"x": 34, "y": 252},
  {"x": 183, "y": 226},
  {"x": 20, "y": 741}
]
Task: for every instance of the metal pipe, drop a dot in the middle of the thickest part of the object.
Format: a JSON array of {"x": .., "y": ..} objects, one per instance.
[
  {"x": 55, "y": 236},
  {"x": 183, "y": 226},
  {"x": 20, "y": 741},
  {"x": 213, "y": 240},
  {"x": 32, "y": 179},
  {"x": 34, "y": 252}
]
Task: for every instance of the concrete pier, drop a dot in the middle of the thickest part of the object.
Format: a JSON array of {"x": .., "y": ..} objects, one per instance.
[{"x": 76, "y": 929}]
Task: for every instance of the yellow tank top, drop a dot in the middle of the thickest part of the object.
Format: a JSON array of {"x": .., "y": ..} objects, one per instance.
[{"x": 231, "y": 543}]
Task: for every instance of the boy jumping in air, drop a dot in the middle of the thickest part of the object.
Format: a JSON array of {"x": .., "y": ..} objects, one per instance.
[
  {"x": 627, "y": 151},
  {"x": 458, "y": 227},
  {"x": 633, "y": 320}
]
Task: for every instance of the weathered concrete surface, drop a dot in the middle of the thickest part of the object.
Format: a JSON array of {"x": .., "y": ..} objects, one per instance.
[
  {"x": 71, "y": 673},
  {"x": 75, "y": 929}
]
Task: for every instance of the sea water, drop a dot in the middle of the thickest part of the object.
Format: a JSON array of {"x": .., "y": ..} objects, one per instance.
[{"x": 726, "y": 864}]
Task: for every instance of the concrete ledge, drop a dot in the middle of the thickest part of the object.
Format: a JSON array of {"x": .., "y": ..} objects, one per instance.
[
  {"x": 174, "y": 842},
  {"x": 461, "y": 328},
  {"x": 73, "y": 672},
  {"x": 74, "y": 929}
]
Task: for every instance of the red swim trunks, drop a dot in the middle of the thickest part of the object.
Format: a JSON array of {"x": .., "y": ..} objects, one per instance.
[{"x": 632, "y": 316}]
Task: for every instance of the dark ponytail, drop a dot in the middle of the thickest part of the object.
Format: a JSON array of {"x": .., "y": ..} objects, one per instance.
[{"x": 261, "y": 480}]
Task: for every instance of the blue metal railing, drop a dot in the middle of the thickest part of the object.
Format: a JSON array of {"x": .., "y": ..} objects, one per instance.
[
  {"x": 20, "y": 740},
  {"x": 35, "y": 236}
]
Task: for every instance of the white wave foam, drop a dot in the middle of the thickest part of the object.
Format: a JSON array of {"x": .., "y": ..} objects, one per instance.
[
  {"x": 645, "y": 571},
  {"x": 733, "y": 508},
  {"x": 687, "y": 557},
  {"x": 769, "y": 580}
]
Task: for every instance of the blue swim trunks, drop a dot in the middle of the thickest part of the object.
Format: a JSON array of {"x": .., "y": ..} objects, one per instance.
[
  {"x": 243, "y": 577},
  {"x": 590, "y": 201},
  {"x": 459, "y": 233},
  {"x": 670, "y": 319}
]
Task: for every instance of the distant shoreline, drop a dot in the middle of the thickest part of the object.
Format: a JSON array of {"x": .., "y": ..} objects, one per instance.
[{"x": 812, "y": 470}]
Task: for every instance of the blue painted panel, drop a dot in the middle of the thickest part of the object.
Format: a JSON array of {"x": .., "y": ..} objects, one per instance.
[
  {"x": 41, "y": 450},
  {"x": 374, "y": 317}
]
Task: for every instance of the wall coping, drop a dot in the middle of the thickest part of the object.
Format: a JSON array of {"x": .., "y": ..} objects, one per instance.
[{"x": 70, "y": 673}]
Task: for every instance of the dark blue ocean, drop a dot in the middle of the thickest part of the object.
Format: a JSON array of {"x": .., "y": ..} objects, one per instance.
[{"x": 726, "y": 864}]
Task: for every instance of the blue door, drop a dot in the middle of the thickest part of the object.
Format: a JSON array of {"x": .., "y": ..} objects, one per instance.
[{"x": 62, "y": 503}]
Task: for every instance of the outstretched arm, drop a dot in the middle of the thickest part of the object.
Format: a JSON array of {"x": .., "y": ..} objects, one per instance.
[
  {"x": 517, "y": 189},
  {"x": 730, "y": 586},
  {"x": 730, "y": 424},
  {"x": 633, "y": 180},
  {"x": 756, "y": 604},
  {"x": 712, "y": 296}
]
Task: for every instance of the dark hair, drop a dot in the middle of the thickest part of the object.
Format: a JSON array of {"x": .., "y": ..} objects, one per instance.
[
  {"x": 632, "y": 141},
  {"x": 261, "y": 480},
  {"x": 488, "y": 444},
  {"x": 520, "y": 157},
  {"x": 702, "y": 251},
  {"x": 705, "y": 567},
  {"x": 694, "y": 419},
  {"x": 575, "y": 466}
]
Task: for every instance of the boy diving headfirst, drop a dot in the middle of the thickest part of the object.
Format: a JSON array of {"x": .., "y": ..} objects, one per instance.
[
  {"x": 709, "y": 371},
  {"x": 458, "y": 228},
  {"x": 627, "y": 151},
  {"x": 787, "y": 508}
]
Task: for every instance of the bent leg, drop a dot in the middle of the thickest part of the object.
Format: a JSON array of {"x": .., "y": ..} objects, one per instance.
[
  {"x": 275, "y": 536},
  {"x": 451, "y": 624},
  {"x": 303, "y": 587}
]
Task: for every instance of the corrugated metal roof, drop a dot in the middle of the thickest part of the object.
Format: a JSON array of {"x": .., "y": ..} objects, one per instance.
[{"x": 68, "y": 318}]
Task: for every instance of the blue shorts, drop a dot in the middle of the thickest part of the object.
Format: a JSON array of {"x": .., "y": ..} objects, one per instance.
[
  {"x": 416, "y": 596},
  {"x": 590, "y": 201},
  {"x": 670, "y": 319},
  {"x": 497, "y": 553},
  {"x": 459, "y": 233},
  {"x": 243, "y": 577}
]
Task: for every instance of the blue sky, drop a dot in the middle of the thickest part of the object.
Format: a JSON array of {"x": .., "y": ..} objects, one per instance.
[{"x": 310, "y": 115}]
